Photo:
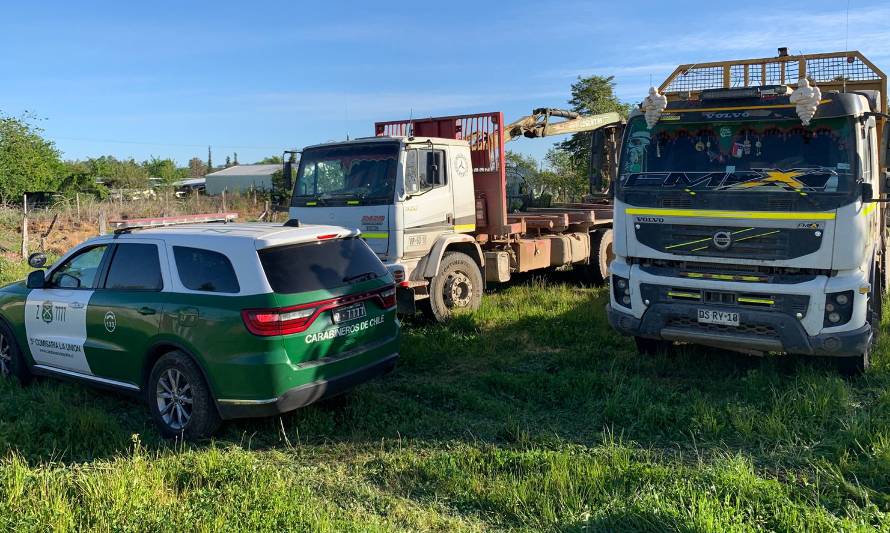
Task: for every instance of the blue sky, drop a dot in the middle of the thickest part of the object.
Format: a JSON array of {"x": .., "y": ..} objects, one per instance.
[{"x": 169, "y": 78}]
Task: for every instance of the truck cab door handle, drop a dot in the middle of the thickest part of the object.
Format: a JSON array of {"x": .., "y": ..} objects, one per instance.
[{"x": 146, "y": 311}]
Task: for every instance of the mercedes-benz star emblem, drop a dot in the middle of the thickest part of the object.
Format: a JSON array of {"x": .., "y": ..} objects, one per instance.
[{"x": 722, "y": 240}]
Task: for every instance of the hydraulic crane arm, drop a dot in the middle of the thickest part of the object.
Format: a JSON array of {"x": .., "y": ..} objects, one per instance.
[{"x": 538, "y": 123}]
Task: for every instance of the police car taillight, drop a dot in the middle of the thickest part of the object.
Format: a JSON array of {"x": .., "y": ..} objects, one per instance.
[
  {"x": 388, "y": 298},
  {"x": 284, "y": 321}
]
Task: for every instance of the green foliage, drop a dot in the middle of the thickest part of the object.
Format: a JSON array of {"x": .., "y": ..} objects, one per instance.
[
  {"x": 563, "y": 176},
  {"x": 271, "y": 160},
  {"x": 118, "y": 173},
  {"x": 165, "y": 170},
  {"x": 591, "y": 95},
  {"x": 530, "y": 414},
  {"x": 28, "y": 162}
]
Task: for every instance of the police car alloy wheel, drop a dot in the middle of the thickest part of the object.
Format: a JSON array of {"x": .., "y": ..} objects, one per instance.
[
  {"x": 179, "y": 399},
  {"x": 174, "y": 398},
  {"x": 5, "y": 356},
  {"x": 11, "y": 364}
]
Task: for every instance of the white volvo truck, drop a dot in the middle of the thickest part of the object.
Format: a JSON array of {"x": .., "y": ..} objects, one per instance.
[
  {"x": 749, "y": 214},
  {"x": 430, "y": 198}
]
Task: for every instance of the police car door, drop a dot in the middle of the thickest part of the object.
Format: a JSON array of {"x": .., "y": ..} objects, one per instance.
[
  {"x": 56, "y": 315},
  {"x": 125, "y": 313}
]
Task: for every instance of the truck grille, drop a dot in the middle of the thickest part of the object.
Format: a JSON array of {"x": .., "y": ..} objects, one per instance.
[{"x": 730, "y": 242}]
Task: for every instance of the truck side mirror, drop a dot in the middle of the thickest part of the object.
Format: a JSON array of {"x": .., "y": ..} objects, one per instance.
[
  {"x": 866, "y": 191},
  {"x": 36, "y": 280}
]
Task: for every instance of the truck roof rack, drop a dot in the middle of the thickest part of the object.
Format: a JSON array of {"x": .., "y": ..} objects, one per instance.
[
  {"x": 132, "y": 224},
  {"x": 842, "y": 71}
]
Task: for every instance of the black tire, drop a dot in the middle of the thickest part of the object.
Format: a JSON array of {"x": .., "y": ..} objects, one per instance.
[
  {"x": 457, "y": 287},
  {"x": 12, "y": 361},
  {"x": 854, "y": 365},
  {"x": 176, "y": 380},
  {"x": 653, "y": 346},
  {"x": 596, "y": 271}
]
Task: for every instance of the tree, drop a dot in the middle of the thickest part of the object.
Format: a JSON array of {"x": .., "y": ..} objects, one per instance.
[
  {"x": 228, "y": 161},
  {"x": 590, "y": 96},
  {"x": 28, "y": 162},
  {"x": 271, "y": 160},
  {"x": 209, "y": 160},
  {"x": 197, "y": 168},
  {"x": 563, "y": 177},
  {"x": 119, "y": 174},
  {"x": 165, "y": 170}
]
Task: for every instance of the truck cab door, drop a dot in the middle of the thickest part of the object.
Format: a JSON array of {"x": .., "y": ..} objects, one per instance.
[{"x": 429, "y": 207}]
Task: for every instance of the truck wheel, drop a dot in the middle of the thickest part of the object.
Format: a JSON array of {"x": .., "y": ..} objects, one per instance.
[
  {"x": 653, "y": 346},
  {"x": 853, "y": 365},
  {"x": 458, "y": 285},
  {"x": 597, "y": 271},
  {"x": 12, "y": 362},
  {"x": 179, "y": 399}
]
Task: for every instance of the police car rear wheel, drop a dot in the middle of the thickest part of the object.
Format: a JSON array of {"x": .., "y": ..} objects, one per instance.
[
  {"x": 179, "y": 399},
  {"x": 12, "y": 365}
]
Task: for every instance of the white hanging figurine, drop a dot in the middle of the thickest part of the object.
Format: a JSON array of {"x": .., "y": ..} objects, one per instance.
[
  {"x": 653, "y": 105},
  {"x": 807, "y": 100}
]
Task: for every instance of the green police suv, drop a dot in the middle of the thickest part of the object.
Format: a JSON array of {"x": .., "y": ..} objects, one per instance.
[{"x": 207, "y": 322}]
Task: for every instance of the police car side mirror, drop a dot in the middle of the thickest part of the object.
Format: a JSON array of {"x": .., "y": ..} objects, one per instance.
[
  {"x": 37, "y": 260},
  {"x": 36, "y": 280}
]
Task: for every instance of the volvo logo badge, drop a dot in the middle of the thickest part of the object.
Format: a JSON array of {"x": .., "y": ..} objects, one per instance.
[{"x": 722, "y": 240}]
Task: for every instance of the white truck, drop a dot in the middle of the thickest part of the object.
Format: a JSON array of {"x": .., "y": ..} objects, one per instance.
[
  {"x": 749, "y": 209},
  {"x": 429, "y": 196}
]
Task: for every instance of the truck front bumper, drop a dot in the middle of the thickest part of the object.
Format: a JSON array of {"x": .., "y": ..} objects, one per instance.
[{"x": 764, "y": 331}]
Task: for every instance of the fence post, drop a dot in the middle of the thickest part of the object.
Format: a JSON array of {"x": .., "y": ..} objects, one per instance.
[
  {"x": 77, "y": 198},
  {"x": 24, "y": 226},
  {"x": 224, "y": 210},
  {"x": 103, "y": 222}
]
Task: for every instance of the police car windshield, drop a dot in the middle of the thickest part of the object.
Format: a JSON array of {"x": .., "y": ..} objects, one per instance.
[
  {"x": 744, "y": 155},
  {"x": 347, "y": 172},
  {"x": 313, "y": 266}
]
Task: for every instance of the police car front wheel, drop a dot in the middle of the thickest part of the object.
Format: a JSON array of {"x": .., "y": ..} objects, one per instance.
[
  {"x": 179, "y": 399},
  {"x": 12, "y": 364}
]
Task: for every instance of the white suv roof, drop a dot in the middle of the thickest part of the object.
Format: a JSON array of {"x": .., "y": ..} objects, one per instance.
[{"x": 264, "y": 235}]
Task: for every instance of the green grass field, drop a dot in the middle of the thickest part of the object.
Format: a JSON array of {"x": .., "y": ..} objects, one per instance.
[{"x": 529, "y": 414}]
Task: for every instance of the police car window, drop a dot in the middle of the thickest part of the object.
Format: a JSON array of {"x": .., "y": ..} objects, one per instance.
[
  {"x": 205, "y": 270},
  {"x": 313, "y": 266},
  {"x": 135, "y": 266},
  {"x": 79, "y": 272}
]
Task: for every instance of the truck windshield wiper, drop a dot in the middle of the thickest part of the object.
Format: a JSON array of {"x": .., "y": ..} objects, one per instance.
[{"x": 364, "y": 276}]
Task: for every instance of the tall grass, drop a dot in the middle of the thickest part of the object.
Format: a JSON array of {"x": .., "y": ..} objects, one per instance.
[{"x": 530, "y": 414}]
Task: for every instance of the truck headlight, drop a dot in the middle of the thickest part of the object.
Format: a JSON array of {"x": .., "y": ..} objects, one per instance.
[
  {"x": 838, "y": 308},
  {"x": 621, "y": 291}
]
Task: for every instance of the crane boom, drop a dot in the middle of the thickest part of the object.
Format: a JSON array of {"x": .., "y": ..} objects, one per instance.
[{"x": 538, "y": 123}]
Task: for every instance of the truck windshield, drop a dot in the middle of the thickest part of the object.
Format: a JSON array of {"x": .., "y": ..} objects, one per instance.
[
  {"x": 348, "y": 172},
  {"x": 744, "y": 155}
]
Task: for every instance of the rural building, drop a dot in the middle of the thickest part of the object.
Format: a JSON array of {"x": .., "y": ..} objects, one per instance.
[{"x": 241, "y": 178}]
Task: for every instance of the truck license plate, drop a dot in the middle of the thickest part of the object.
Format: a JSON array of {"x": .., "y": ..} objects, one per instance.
[
  {"x": 349, "y": 313},
  {"x": 723, "y": 318}
]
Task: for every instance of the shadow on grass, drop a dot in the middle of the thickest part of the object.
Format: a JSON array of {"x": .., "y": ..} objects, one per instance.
[{"x": 537, "y": 366}]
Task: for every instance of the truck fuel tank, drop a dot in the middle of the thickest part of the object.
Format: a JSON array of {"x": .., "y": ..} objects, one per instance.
[{"x": 568, "y": 248}]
